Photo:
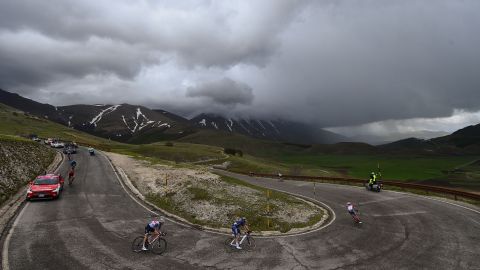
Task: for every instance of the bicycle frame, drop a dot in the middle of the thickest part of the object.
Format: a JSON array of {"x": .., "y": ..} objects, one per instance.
[
  {"x": 154, "y": 239},
  {"x": 241, "y": 240}
]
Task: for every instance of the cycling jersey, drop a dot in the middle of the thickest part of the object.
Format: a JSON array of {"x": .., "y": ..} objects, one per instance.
[
  {"x": 236, "y": 226},
  {"x": 154, "y": 224},
  {"x": 350, "y": 208},
  {"x": 239, "y": 223}
]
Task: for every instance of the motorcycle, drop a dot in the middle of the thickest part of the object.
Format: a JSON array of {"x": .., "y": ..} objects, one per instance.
[{"x": 377, "y": 186}]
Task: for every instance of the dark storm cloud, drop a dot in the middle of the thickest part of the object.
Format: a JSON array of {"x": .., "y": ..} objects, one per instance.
[
  {"x": 76, "y": 38},
  {"x": 225, "y": 91},
  {"x": 353, "y": 62},
  {"x": 333, "y": 63}
]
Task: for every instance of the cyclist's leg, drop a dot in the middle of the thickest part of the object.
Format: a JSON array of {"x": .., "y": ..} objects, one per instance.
[
  {"x": 237, "y": 237},
  {"x": 147, "y": 232}
]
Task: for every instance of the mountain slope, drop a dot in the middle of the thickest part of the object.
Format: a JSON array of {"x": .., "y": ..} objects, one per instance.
[
  {"x": 30, "y": 106},
  {"x": 122, "y": 122},
  {"x": 463, "y": 141},
  {"x": 277, "y": 130}
]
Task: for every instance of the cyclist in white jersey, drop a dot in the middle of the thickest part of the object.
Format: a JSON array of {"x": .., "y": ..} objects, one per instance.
[
  {"x": 351, "y": 210},
  {"x": 152, "y": 227}
]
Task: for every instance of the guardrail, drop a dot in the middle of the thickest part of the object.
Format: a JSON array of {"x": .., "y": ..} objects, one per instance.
[{"x": 434, "y": 189}]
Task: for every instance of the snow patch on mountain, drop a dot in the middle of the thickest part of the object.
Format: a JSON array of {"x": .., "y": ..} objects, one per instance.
[
  {"x": 274, "y": 127},
  {"x": 246, "y": 129},
  {"x": 139, "y": 113},
  {"x": 261, "y": 124},
  {"x": 203, "y": 122},
  {"x": 126, "y": 124},
  {"x": 165, "y": 125},
  {"x": 214, "y": 124},
  {"x": 108, "y": 110},
  {"x": 229, "y": 121}
]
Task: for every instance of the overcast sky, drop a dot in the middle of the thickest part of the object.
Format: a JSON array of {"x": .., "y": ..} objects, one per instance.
[{"x": 334, "y": 63}]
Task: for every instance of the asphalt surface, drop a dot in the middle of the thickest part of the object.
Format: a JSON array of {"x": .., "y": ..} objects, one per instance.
[{"x": 92, "y": 225}]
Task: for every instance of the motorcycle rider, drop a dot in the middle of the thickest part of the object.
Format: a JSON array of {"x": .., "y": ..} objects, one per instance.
[{"x": 372, "y": 180}]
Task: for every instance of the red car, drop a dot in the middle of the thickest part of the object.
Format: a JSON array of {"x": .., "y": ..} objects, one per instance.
[{"x": 46, "y": 186}]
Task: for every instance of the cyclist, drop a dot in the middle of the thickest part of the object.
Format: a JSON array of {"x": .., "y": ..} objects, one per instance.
[
  {"x": 242, "y": 222},
  {"x": 352, "y": 211},
  {"x": 152, "y": 227},
  {"x": 71, "y": 176},
  {"x": 73, "y": 163}
]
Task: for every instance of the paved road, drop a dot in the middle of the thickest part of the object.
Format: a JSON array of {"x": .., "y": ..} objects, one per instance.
[{"x": 92, "y": 225}]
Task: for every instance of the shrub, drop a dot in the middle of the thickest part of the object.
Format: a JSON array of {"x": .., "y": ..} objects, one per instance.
[
  {"x": 233, "y": 152},
  {"x": 170, "y": 144},
  {"x": 229, "y": 151}
]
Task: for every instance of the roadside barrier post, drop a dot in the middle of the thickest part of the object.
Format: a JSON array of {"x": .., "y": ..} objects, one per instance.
[
  {"x": 313, "y": 187},
  {"x": 268, "y": 201},
  {"x": 166, "y": 183}
]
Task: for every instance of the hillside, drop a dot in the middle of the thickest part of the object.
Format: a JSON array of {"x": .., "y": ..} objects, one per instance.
[
  {"x": 18, "y": 123},
  {"x": 121, "y": 122},
  {"x": 468, "y": 139},
  {"x": 465, "y": 141},
  {"x": 20, "y": 161}
]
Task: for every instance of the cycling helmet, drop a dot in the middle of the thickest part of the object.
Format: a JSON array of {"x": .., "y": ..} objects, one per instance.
[
  {"x": 349, "y": 203},
  {"x": 161, "y": 220},
  {"x": 244, "y": 218}
]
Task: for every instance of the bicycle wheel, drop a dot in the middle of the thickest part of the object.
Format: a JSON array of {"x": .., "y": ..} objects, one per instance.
[
  {"x": 228, "y": 242},
  {"x": 250, "y": 243},
  {"x": 159, "y": 246},
  {"x": 137, "y": 244}
]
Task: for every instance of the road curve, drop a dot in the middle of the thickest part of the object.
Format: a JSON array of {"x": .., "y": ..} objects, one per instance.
[{"x": 93, "y": 224}]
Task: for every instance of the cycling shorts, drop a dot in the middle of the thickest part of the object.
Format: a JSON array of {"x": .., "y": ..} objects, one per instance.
[
  {"x": 149, "y": 229},
  {"x": 235, "y": 230}
]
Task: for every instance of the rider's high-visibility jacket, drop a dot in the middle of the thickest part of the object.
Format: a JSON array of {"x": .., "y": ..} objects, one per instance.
[{"x": 373, "y": 178}]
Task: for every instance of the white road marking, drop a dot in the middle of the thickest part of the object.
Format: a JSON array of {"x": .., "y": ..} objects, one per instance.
[
  {"x": 381, "y": 200},
  {"x": 438, "y": 200},
  {"x": 400, "y": 214},
  {"x": 6, "y": 244}
]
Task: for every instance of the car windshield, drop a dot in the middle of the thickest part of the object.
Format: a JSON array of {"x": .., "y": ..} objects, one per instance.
[{"x": 45, "y": 181}]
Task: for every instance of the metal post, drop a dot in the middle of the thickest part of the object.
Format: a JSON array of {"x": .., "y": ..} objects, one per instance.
[
  {"x": 166, "y": 183},
  {"x": 268, "y": 201}
]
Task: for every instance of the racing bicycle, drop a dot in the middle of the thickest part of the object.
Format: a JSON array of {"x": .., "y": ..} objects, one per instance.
[
  {"x": 157, "y": 245},
  {"x": 246, "y": 241}
]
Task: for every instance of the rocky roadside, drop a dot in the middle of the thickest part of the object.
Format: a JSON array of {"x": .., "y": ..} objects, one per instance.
[{"x": 20, "y": 161}]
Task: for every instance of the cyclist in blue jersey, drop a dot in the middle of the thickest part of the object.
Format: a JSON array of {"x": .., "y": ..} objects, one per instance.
[
  {"x": 242, "y": 222},
  {"x": 152, "y": 227}
]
